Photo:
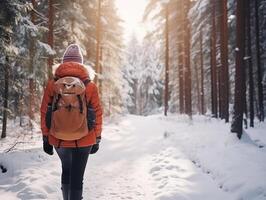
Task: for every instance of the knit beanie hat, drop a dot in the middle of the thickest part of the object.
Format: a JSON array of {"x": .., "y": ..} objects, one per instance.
[{"x": 73, "y": 54}]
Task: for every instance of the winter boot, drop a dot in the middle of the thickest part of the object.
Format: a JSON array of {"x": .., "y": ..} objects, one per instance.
[
  {"x": 75, "y": 195},
  {"x": 65, "y": 191}
]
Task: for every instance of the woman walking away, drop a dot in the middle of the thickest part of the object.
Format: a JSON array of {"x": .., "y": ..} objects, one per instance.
[{"x": 71, "y": 120}]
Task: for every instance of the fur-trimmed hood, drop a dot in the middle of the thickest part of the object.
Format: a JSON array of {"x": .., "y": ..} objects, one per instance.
[{"x": 74, "y": 69}]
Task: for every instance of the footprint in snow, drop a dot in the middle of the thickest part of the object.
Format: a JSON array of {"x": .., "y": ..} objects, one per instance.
[
  {"x": 155, "y": 169},
  {"x": 172, "y": 167}
]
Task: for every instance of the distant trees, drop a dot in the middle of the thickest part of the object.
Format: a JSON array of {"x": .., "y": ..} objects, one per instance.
[
  {"x": 111, "y": 54},
  {"x": 213, "y": 59},
  {"x": 162, "y": 17},
  {"x": 142, "y": 84},
  {"x": 168, "y": 15}
]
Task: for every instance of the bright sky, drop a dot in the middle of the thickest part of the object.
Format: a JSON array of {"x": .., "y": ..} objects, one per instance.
[{"x": 131, "y": 11}]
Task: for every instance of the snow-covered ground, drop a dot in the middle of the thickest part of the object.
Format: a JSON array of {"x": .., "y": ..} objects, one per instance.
[{"x": 147, "y": 158}]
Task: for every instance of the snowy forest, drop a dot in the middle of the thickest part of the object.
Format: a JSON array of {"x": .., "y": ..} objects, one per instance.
[{"x": 194, "y": 83}]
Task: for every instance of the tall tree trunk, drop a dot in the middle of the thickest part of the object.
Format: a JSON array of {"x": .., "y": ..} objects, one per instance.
[
  {"x": 101, "y": 71},
  {"x": 98, "y": 40},
  {"x": 219, "y": 99},
  {"x": 187, "y": 73},
  {"x": 197, "y": 87},
  {"x": 166, "y": 92},
  {"x": 135, "y": 86},
  {"x": 31, "y": 68},
  {"x": 224, "y": 61},
  {"x": 50, "y": 40},
  {"x": 259, "y": 69},
  {"x": 237, "y": 123},
  {"x": 245, "y": 110},
  {"x": 213, "y": 64},
  {"x": 6, "y": 96},
  {"x": 202, "y": 74},
  {"x": 250, "y": 67},
  {"x": 181, "y": 58}
]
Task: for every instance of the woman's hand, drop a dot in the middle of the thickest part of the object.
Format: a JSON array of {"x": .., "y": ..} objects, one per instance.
[
  {"x": 96, "y": 146},
  {"x": 47, "y": 148}
]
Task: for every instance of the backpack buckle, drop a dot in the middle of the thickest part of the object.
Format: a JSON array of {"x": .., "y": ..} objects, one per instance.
[{"x": 69, "y": 107}]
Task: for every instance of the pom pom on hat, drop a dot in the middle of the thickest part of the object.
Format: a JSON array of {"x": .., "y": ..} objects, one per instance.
[{"x": 73, "y": 54}]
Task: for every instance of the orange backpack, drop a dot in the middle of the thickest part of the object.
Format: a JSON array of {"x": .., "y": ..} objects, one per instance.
[{"x": 69, "y": 109}]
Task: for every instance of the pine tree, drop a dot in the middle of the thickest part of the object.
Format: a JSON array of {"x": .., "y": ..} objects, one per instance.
[
  {"x": 224, "y": 61},
  {"x": 249, "y": 65},
  {"x": 50, "y": 37},
  {"x": 32, "y": 53},
  {"x": 9, "y": 15},
  {"x": 187, "y": 69},
  {"x": 213, "y": 63},
  {"x": 180, "y": 51},
  {"x": 259, "y": 68},
  {"x": 111, "y": 58},
  {"x": 166, "y": 90},
  {"x": 237, "y": 123},
  {"x": 98, "y": 38},
  {"x": 202, "y": 108}
]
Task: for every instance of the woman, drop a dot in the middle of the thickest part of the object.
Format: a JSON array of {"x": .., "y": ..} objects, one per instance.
[{"x": 72, "y": 153}]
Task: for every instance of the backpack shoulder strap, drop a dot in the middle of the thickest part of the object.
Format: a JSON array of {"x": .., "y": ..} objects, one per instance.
[
  {"x": 86, "y": 82},
  {"x": 56, "y": 78},
  {"x": 55, "y": 105},
  {"x": 80, "y": 104}
]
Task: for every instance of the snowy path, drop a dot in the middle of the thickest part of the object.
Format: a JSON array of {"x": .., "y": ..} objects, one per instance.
[
  {"x": 137, "y": 163},
  {"x": 148, "y": 158}
]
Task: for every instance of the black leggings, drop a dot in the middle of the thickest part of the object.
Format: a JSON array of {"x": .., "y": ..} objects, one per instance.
[{"x": 74, "y": 162}]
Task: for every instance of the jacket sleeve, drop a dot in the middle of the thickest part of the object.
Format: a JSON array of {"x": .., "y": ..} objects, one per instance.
[
  {"x": 95, "y": 101},
  {"x": 47, "y": 98}
]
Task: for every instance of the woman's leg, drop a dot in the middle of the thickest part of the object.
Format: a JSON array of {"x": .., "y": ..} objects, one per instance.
[
  {"x": 79, "y": 161},
  {"x": 65, "y": 155}
]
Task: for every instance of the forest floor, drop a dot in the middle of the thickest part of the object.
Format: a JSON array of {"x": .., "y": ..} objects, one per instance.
[{"x": 146, "y": 158}]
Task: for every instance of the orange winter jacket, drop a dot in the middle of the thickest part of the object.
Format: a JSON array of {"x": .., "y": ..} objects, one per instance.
[{"x": 76, "y": 70}]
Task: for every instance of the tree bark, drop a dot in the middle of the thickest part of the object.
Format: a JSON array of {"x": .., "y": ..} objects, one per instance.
[
  {"x": 98, "y": 40},
  {"x": 202, "y": 74},
  {"x": 166, "y": 92},
  {"x": 31, "y": 68},
  {"x": 50, "y": 40},
  {"x": 101, "y": 71},
  {"x": 187, "y": 73},
  {"x": 6, "y": 96},
  {"x": 213, "y": 64},
  {"x": 237, "y": 123},
  {"x": 181, "y": 59},
  {"x": 259, "y": 69},
  {"x": 250, "y": 67},
  {"x": 197, "y": 87},
  {"x": 224, "y": 61}
]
